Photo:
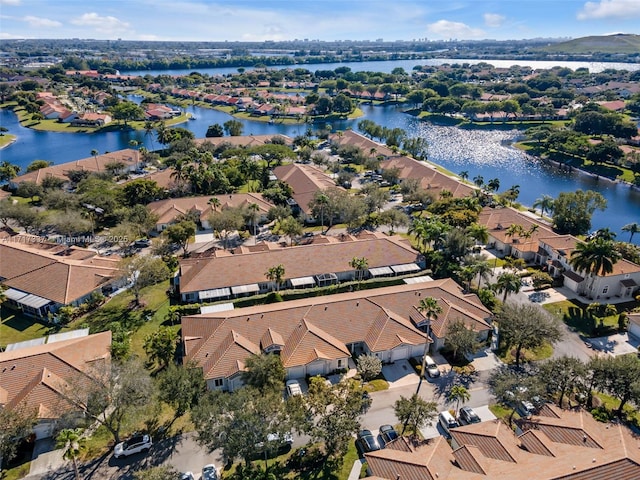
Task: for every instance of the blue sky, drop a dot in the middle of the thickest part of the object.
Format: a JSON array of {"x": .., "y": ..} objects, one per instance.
[{"x": 259, "y": 20}]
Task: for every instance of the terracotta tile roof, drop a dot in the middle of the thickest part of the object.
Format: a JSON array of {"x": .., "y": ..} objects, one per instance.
[
  {"x": 452, "y": 311},
  {"x": 227, "y": 270},
  {"x": 498, "y": 220},
  {"x": 494, "y": 439},
  {"x": 167, "y": 210},
  {"x": 430, "y": 178},
  {"x": 316, "y": 327},
  {"x": 349, "y": 137},
  {"x": 535, "y": 455},
  {"x": 243, "y": 141},
  {"x": 128, "y": 156},
  {"x": 305, "y": 181},
  {"x": 36, "y": 376},
  {"x": 53, "y": 271}
]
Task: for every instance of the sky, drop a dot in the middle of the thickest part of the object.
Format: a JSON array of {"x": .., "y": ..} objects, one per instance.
[{"x": 260, "y": 20}]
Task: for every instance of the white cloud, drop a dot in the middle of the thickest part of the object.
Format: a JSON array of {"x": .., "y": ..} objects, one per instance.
[
  {"x": 610, "y": 9},
  {"x": 493, "y": 20},
  {"x": 38, "y": 22},
  {"x": 9, "y": 2},
  {"x": 447, "y": 29},
  {"x": 102, "y": 24}
]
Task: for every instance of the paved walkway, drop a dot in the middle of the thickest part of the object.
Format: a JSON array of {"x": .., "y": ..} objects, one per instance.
[
  {"x": 617, "y": 344},
  {"x": 400, "y": 374},
  {"x": 355, "y": 470},
  {"x": 45, "y": 459}
]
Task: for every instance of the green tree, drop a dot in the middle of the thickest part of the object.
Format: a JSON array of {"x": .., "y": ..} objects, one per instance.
[
  {"x": 596, "y": 257},
  {"x": 368, "y": 367},
  {"x": 632, "y": 228},
  {"x": 160, "y": 346},
  {"x": 181, "y": 387},
  {"x": 507, "y": 283},
  {"x": 265, "y": 373},
  {"x": 275, "y": 274},
  {"x": 526, "y": 326},
  {"x": 29, "y": 190},
  {"x": 144, "y": 271},
  {"x": 8, "y": 171},
  {"x": 109, "y": 394},
  {"x": 127, "y": 111},
  {"x": 142, "y": 191},
  {"x": 225, "y": 222},
  {"x": 622, "y": 379},
  {"x": 215, "y": 130},
  {"x": 562, "y": 376},
  {"x": 360, "y": 265},
  {"x": 318, "y": 205},
  {"x": 572, "y": 211},
  {"x": 233, "y": 128},
  {"x": 73, "y": 444},
  {"x": 180, "y": 233},
  {"x": 38, "y": 164},
  {"x": 544, "y": 203},
  {"x": 415, "y": 413},
  {"x": 458, "y": 394},
  {"x": 335, "y": 411},
  {"x": 161, "y": 472},
  {"x": 16, "y": 423},
  {"x": 395, "y": 219},
  {"x": 460, "y": 339},
  {"x": 510, "y": 386},
  {"x": 290, "y": 227}
]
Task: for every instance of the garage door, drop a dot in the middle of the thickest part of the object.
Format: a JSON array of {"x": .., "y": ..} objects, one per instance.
[
  {"x": 315, "y": 368},
  {"x": 295, "y": 372},
  {"x": 399, "y": 353},
  {"x": 634, "y": 329}
]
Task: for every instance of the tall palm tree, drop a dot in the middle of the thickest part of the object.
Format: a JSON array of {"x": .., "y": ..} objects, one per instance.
[
  {"x": 430, "y": 308},
  {"x": 74, "y": 445},
  {"x": 480, "y": 233},
  {"x": 464, "y": 175},
  {"x": 479, "y": 181},
  {"x": 215, "y": 203},
  {"x": 493, "y": 185},
  {"x": 482, "y": 269},
  {"x": 544, "y": 203},
  {"x": 359, "y": 264},
  {"x": 323, "y": 202},
  {"x": 466, "y": 274},
  {"x": 254, "y": 215},
  {"x": 596, "y": 257},
  {"x": 457, "y": 394},
  {"x": 507, "y": 283},
  {"x": 632, "y": 228},
  {"x": 276, "y": 274}
]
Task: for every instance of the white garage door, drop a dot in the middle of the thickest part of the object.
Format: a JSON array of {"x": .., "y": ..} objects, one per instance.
[
  {"x": 315, "y": 368},
  {"x": 295, "y": 372},
  {"x": 399, "y": 353},
  {"x": 634, "y": 329}
]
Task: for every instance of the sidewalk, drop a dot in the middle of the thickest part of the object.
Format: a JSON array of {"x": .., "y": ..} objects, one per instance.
[{"x": 355, "y": 470}]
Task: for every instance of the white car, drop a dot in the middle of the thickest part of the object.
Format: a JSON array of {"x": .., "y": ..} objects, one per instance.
[
  {"x": 136, "y": 444},
  {"x": 187, "y": 476},
  {"x": 210, "y": 472},
  {"x": 293, "y": 388}
]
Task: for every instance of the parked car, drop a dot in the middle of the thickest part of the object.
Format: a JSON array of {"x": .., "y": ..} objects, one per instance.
[
  {"x": 468, "y": 416},
  {"x": 135, "y": 444},
  {"x": 366, "y": 442},
  {"x": 388, "y": 433},
  {"x": 187, "y": 476},
  {"x": 526, "y": 409},
  {"x": 276, "y": 442},
  {"x": 293, "y": 388},
  {"x": 431, "y": 368},
  {"x": 210, "y": 472},
  {"x": 447, "y": 422}
]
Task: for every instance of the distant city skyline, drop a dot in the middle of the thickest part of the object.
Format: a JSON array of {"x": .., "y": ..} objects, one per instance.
[{"x": 327, "y": 20}]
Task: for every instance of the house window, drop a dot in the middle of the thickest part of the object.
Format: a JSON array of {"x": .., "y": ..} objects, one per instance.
[
  {"x": 218, "y": 382},
  {"x": 605, "y": 289},
  {"x": 339, "y": 363}
]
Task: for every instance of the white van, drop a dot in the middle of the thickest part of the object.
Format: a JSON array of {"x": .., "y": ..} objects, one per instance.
[
  {"x": 431, "y": 368},
  {"x": 447, "y": 421}
]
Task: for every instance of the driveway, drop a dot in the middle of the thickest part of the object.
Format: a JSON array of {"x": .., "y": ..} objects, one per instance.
[
  {"x": 617, "y": 344},
  {"x": 400, "y": 374}
]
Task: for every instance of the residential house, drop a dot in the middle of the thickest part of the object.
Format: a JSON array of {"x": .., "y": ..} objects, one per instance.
[
  {"x": 366, "y": 145},
  {"x": 246, "y": 141},
  {"x": 555, "y": 444},
  {"x": 40, "y": 277},
  {"x": 37, "y": 374},
  {"x": 129, "y": 158},
  {"x": 91, "y": 119},
  {"x": 634, "y": 324},
  {"x": 304, "y": 180},
  {"x": 318, "y": 335},
  {"x": 168, "y": 210},
  {"x": 223, "y": 274}
]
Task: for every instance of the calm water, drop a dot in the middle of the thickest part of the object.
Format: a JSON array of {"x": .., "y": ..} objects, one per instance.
[
  {"x": 479, "y": 152},
  {"x": 388, "y": 66}
]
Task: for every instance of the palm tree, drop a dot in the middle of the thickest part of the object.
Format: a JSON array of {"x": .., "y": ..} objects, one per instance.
[
  {"x": 632, "y": 228},
  {"x": 466, "y": 274},
  {"x": 544, "y": 203},
  {"x": 464, "y": 175},
  {"x": 483, "y": 269},
  {"x": 457, "y": 394},
  {"x": 360, "y": 264},
  {"x": 254, "y": 215},
  {"x": 215, "y": 203},
  {"x": 322, "y": 201},
  {"x": 479, "y": 181},
  {"x": 73, "y": 444},
  {"x": 508, "y": 283},
  {"x": 94, "y": 153},
  {"x": 480, "y": 233},
  {"x": 493, "y": 185},
  {"x": 596, "y": 257},
  {"x": 276, "y": 274},
  {"x": 429, "y": 307}
]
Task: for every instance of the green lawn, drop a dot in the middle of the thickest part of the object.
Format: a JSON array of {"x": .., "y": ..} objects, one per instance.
[
  {"x": 6, "y": 139},
  {"x": 574, "y": 314},
  {"x": 16, "y": 327},
  {"x": 541, "y": 353}
]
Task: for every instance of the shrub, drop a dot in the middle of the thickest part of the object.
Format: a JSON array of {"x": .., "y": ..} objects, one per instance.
[
  {"x": 273, "y": 297},
  {"x": 601, "y": 414}
]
